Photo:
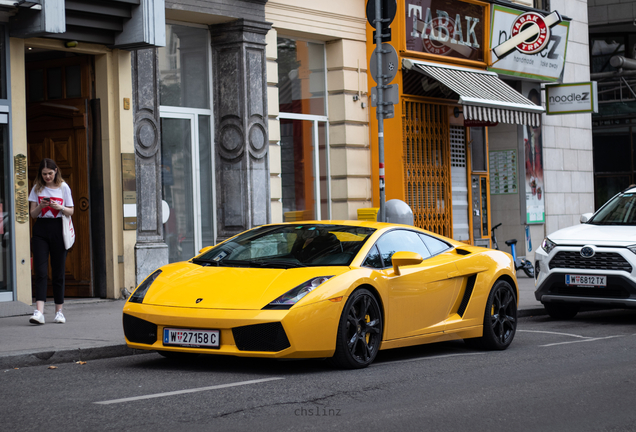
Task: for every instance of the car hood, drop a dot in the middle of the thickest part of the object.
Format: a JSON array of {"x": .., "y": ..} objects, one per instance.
[
  {"x": 583, "y": 234},
  {"x": 190, "y": 285}
]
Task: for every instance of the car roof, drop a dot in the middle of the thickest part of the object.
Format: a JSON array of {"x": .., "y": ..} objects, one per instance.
[{"x": 357, "y": 223}]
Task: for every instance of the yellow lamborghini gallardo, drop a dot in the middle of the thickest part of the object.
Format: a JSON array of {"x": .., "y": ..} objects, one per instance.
[{"x": 341, "y": 290}]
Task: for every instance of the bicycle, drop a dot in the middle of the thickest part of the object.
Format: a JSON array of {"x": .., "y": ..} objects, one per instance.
[{"x": 521, "y": 263}]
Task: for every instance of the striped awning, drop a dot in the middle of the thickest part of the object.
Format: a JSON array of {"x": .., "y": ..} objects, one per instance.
[{"x": 484, "y": 96}]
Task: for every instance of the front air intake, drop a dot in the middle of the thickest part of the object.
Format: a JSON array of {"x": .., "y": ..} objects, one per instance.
[
  {"x": 139, "y": 331},
  {"x": 269, "y": 337}
]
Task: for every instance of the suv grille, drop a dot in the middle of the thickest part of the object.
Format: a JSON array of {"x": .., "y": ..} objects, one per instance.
[
  {"x": 600, "y": 261},
  {"x": 261, "y": 337}
]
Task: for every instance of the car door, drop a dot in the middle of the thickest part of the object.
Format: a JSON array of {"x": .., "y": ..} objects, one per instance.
[{"x": 420, "y": 297}]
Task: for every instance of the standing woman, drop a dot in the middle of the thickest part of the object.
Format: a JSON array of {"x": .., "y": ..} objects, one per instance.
[{"x": 49, "y": 199}]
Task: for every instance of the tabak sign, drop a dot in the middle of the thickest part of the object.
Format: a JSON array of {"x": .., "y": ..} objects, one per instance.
[
  {"x": 528, "y": 44},
  {"x": 450, "y": 28}
]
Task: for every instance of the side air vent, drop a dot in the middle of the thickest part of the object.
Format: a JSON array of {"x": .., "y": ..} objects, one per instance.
[
  {"x": 462, "y": 251},
  {"x": 470, "y": 285}
]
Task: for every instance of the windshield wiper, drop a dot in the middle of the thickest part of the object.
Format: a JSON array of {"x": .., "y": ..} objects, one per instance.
[
  {"x": 204, "y": 262},
  {"x": 259, "y": 263}
]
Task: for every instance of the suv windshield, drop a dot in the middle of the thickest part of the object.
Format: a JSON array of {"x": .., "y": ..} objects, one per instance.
[
  {"x": 620, "y": 210},
  {"x": 288, "y": 246}
]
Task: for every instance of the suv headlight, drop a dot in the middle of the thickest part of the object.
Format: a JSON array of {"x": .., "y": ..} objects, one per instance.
[
  {"x": 294, "y": 295},
  {"x": 142, "y": 289},
  {"x": 548, "y": 245},
  {"x": 632, "y": 248}
]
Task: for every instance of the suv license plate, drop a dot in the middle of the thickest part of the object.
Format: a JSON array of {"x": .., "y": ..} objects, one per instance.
[
  {"x": 586, "y": 280},
  {"x": 191, "y": 338}
]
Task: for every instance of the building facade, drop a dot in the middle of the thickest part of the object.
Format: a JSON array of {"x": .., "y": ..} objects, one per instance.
[
  {"x": 220, "y": 116},
  {"x": 612, "y": 38}
]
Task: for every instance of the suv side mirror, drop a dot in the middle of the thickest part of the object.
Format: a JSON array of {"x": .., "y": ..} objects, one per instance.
[
  {"x": 404, "y": 259},
  {"x": 586, "y": 217}
]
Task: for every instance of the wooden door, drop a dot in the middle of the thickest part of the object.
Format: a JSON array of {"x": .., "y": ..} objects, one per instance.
[{"x": 59, "y": 132}]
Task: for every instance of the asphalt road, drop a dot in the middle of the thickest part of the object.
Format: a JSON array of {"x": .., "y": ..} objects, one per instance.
[{"x": 577, "y": 375}]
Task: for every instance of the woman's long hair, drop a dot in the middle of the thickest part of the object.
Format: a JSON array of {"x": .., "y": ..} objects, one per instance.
[{"x": 39, "y": 181}]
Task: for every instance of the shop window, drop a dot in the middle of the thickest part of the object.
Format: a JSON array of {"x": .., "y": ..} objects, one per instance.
[
  {"x": 301, "y": 77},
  {"x": 304, "y": 142},
  {"x": 184, "y": 67},
  {"x": 187, "y": 153}
]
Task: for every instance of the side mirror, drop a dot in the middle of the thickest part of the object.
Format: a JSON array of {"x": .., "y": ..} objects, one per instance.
[
  {"x": 404, "y": 259},
  {"x": 205, "y": 249},
  {"x": 586, "y": 217}
]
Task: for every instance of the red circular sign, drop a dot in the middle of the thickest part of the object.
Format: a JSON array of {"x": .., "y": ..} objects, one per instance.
[
  {"x": 541, "y": 37},
  {"x": 439, "y": 26}
]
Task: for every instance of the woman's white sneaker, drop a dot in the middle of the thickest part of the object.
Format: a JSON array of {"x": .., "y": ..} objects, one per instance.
[
  {"x": 59, "y": 318},
  {"x": 37, "y": 318}
]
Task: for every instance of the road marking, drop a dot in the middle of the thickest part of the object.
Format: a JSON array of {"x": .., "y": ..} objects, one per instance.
[
  {"x": 194, "y": 390},
  {"x": 554, "y": 333},
  {"x": 584, "y": 340},
  {"x": 428, "y": 358}
]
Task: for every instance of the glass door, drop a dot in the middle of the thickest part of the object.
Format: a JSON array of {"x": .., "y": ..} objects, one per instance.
[{"x": 187, "y": 183}]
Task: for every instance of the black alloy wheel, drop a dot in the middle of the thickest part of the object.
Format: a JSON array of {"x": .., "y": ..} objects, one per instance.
[
  {"x": 359, "y": 332},
  {"x": 500, "y": 319}
]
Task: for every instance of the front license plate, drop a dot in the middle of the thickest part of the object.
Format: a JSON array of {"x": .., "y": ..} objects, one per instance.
[
  {"x": 586, "y": 280},
  {"x": 191, "y": 338}
]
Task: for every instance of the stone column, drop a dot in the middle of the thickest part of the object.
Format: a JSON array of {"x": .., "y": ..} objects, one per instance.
[
  {"x": 150, "y": 250},
  {"x": 240, "y": 120}
]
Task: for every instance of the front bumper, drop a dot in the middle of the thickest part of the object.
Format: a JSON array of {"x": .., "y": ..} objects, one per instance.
[
  {"x": 304, "y": 332},
  {"x": 620, "y": 291}
]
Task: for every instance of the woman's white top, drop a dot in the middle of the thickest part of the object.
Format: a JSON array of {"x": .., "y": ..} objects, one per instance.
[{"x": 62, "y": 195}]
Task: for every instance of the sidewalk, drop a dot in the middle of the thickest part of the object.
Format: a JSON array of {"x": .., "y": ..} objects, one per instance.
[{"x": 93, "y": 330}]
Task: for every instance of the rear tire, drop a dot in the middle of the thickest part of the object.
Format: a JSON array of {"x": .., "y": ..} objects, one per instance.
[
  {"x": 561, "y": 311},
  {"x": 500, "y": 319},
  {"x": 359, "y": 331}
]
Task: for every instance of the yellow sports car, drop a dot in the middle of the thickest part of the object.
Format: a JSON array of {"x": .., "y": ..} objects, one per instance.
[{"x": 337, "y": 289}]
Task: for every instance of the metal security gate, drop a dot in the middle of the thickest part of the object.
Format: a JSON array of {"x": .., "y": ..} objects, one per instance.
[{"x": 427, "y": 165}]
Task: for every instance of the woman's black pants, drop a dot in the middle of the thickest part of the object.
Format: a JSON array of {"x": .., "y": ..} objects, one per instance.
[{"x": 48, "y": 240}]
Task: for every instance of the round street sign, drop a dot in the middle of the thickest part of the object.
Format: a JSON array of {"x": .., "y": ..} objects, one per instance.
[
  {"x": 390, "y": 64},
  {"x": 389, "y": 8}
]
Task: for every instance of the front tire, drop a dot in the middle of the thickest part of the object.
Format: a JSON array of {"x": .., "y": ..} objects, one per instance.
[
  {"x": 359, "y": 331},
  {"x": 500, "y": 319},
  {"x": 561, "y": 311}
]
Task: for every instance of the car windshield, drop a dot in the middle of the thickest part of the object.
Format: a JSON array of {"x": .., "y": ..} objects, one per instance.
[
  {"x": 289, "y": 246},
  {"x": 620, "y": 210}
]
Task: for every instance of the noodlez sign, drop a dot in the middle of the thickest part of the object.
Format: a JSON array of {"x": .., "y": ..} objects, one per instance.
[
  {"x": 571, "y": 98},
  {"x": 528, "y": 44}
]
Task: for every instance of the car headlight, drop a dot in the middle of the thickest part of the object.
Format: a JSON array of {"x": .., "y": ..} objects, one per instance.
[
  {"x": 548, "y": 245},
  {"x": 632, "y": 248},
  {"x": 142, "y": 289},
  {"x": 294, "y": 295}
]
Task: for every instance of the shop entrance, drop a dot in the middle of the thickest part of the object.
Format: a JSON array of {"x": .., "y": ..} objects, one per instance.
[{"x": 58, "y": 90}]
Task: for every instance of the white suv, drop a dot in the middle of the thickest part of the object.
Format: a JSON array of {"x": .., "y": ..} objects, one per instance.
[{"x": 592, "y": 264}]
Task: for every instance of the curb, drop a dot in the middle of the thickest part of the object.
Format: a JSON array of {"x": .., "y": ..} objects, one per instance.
[{"x": 43, "y": 358}]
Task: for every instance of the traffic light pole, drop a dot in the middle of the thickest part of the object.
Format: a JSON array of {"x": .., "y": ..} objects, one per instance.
[{"x": 380, "y": 105}]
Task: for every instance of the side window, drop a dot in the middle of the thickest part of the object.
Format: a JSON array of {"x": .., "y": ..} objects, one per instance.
[
  {"x": 373, "y": 260},
  {"x": 434, "y": 245},
  {"x": 400, "y": 241}
]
